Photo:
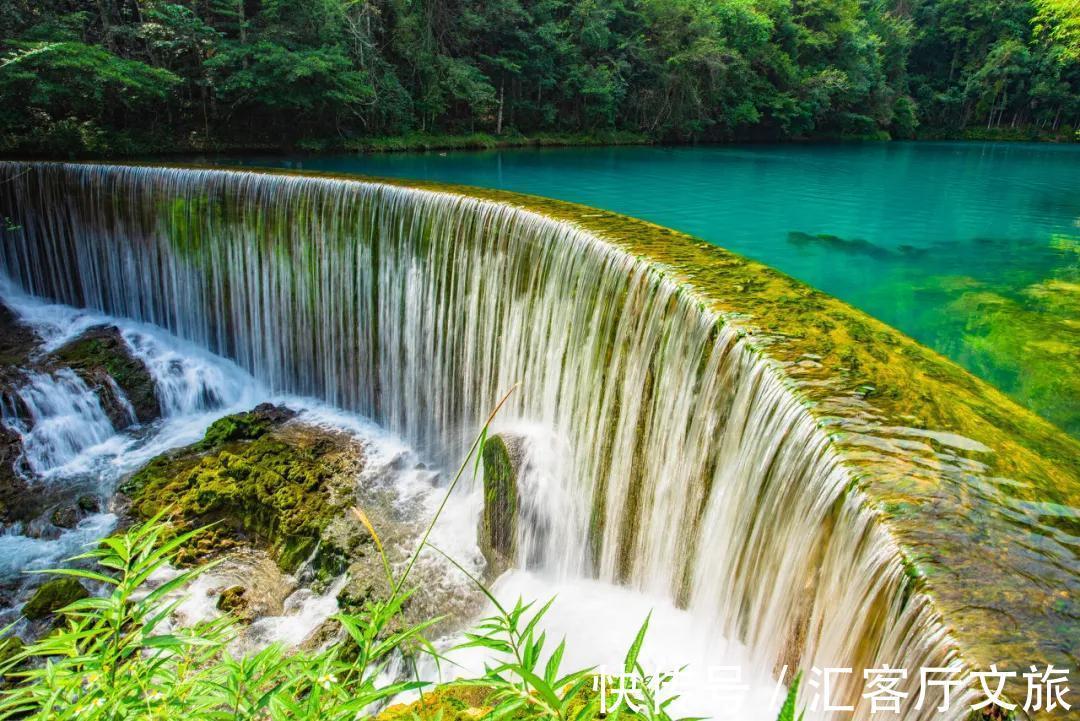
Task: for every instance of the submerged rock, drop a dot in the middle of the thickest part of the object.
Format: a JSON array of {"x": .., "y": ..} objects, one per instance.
[
  {"x": 65, "y": 517},
  {"x": 265, "y": 480},
  {"x": 247, "y": 584},
  {"x": 101, "y": 357},
  {"x": 88, "y": 504},
  {"x": 53, "y": 595},
  {"x": 233, "y": 600},
  {"x": 68, "y": 514},
  {"x": 498, "y": 525}
]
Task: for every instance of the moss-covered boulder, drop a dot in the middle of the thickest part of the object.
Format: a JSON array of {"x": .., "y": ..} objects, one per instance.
[
  {"x": 264, "y": 480},
  {"x": 88, "y": 503},
  {"x": 367, "y": 581},
  {"x": 247, "y": 426},
  {"x": 68, "y": 513},
  {"x": 10, "y": 648},
  {"x": 449, "y": 702},
  {"x": 234, "y": 601},
  {"x": 102, "y": 358},
  {"x": 457, "y": 701},
  {"x": 53, "y": 595},
  {"x": 498, "y": 525},
  {"x": 66, "y": 516}
]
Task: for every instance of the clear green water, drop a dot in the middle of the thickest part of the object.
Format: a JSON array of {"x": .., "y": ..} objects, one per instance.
[{"x": 971, "y": 248}]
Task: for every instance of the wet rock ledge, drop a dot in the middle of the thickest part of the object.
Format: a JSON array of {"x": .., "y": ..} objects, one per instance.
[
  {"x": 279, "y": 488},
  {"x": 265, "y": 481},
  {"x": 99, "y": 356},
  {"x": 102, "y": 359}
]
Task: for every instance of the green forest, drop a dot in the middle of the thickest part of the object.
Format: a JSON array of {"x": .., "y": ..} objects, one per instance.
[{"x": 135, "y": 76}]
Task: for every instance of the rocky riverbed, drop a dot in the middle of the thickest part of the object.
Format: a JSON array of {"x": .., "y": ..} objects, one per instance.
[{"x": 106, "y": 424}]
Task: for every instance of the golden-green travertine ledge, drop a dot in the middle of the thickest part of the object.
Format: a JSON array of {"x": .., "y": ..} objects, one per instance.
[{"x": 980, "y": 495}]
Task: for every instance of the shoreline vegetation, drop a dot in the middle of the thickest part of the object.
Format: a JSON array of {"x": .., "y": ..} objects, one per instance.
[
  {"x": 123, "y": 78},
  {"x": 479, "y": 142},
  {"x": 850, "y": 356},
  {"x": 449, "y": 142}
]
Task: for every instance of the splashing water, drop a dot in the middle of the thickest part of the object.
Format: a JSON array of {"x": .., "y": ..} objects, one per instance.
[
  {"x": 599, "y": 622},
  {"x": 419, "y": 308},
  {"x": 70, "y": 443},
  {"x": 65, "y": 419}
]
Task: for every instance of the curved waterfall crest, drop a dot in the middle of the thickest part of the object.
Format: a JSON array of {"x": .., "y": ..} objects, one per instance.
[{"x": 695, "y": 452}]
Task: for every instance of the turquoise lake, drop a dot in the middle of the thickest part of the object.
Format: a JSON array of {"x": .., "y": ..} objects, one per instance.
[{"x": 971, "y": 248}]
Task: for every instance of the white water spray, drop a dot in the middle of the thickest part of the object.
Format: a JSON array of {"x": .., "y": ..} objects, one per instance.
[{"x": 691, "y": 469}]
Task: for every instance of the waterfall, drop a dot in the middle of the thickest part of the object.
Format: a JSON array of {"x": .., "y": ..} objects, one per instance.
[
  {"x": 58, "y": 417},
  {"x": 184, "y": 384},
  {"x": 681, "y": 459}
]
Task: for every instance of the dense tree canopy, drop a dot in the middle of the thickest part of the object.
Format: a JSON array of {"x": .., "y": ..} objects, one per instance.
[{"x": 131, "y": 75}]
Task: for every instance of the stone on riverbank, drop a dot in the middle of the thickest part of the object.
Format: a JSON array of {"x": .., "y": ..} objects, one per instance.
[
  {"x": 498, "y": 525},
  {"x": 101, "y": 357},
  {"x": 53, "y": 595},
  {"x": 264, "y": 479}
]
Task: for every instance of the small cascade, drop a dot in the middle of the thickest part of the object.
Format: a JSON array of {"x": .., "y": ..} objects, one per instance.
[
  {"x": 58, "y": 417},
  {"x": 664, "y": 452},
  {"x": 186, "y": 381},
  {"x": 550, "y": 507},
  {"x": 68, "y": 440}
]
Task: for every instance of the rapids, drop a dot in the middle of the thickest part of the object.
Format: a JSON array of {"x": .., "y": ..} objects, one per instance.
[{"x": 669, "y": 455}]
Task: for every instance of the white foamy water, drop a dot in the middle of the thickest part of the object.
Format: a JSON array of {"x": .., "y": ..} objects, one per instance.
[
  {"x": 599, "y": 622},
  {"x": 677, "y": 461},
  {"x": 65, "y": 419},
  {"x": 304, "y": 612},
  {"x": 68, "y": 439},
  {"x": 196, "y": 387},
  {"x": 21, "y": 554}
]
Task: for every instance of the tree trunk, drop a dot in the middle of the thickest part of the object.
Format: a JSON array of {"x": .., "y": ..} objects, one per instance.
[
  {"x": 499, "y": 120},
  {"x": 105, "y": 10}
]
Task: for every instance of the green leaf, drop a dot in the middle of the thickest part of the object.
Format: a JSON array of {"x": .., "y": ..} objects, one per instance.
[{"x": 635, "y": 647}]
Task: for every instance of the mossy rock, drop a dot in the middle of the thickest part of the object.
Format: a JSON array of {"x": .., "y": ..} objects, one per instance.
[
  {"x": 498, "y": 525},
  {"x": 101, "y": 354},
  {"x": 16, "y": 502},
  {"x": 245, "y": 426},
  {"x": 458, "y": 701},
  {"x": 234, "y": 601},
  {"x": 262, "y": 480},
  {"x": 65, "y": 517},
  {"x": 53, "y": 595},
  {"x": 367, "y": 583},
  {"x": 10, "y": 648},
  {"x": 449, "y": 702},
  {"x": 88, "y": 503}
]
